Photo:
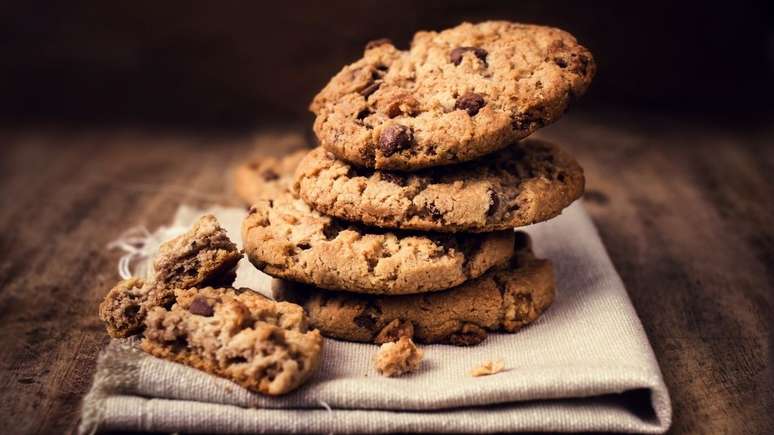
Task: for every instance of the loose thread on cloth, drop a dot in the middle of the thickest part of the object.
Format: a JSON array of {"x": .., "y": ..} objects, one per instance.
[{"x": 139, "y": 244}]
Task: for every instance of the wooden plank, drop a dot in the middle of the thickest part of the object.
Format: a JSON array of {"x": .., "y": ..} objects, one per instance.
[{"x": 683, "y": 213}]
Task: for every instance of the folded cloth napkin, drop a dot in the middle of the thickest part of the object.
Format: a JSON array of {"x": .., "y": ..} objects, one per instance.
[{"x": 586, "y": 365}]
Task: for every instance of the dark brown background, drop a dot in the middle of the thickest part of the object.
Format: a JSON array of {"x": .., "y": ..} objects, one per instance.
[
  {"x": 236, "y": 63},
  {"x": 112, "y": 115}
]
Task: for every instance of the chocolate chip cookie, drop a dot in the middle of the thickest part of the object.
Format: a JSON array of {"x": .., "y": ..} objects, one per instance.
[
  {"x": 504, "y": 299},
  {"x": 265, "y": 177},
  {"x": 286, "y": 239},
  {"x": 528, "y": 182},
  {"x": 202, "y": 256},
  {"x": 453, "y": 96},
  {"x": 262, "y": 345}
]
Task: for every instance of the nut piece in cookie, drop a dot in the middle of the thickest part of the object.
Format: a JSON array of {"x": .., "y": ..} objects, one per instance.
[
  {"x": 398, "y": 358},
  {"x": 202, "y": 256},
  {"x": 240, "y": 335}
]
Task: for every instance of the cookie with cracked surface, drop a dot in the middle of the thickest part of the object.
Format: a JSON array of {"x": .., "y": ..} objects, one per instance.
[
  {"x": 505, "y": 299},
  {"x": 204, "y": 255},
  {"x": 286, "y": 239},
  {"x": 262, "y": 345},
  {"x": 453, "y": 96},
  {"x": 528, "y": 182},
  {"x": 265, "y": 177}
]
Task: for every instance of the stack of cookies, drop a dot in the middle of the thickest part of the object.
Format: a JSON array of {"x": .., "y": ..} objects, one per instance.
[{"x": 401, "y": 224}]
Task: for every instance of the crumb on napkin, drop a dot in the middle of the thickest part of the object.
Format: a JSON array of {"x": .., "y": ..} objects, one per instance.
[
  {"x": 398, "y": 357},
  {"x": 487, "y": 368}
]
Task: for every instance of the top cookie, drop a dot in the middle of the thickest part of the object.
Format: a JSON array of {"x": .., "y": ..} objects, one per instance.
[
  {"x": 454, "y": 96},
  {"x": 528, "y": 182}
]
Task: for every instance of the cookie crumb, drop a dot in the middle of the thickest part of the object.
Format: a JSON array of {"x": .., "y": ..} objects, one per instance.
[
  {"x": 398, "y": 358},
  {"x": 487, "y": 368}
]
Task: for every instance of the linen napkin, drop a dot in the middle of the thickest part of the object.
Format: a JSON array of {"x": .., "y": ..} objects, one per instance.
[{"x": 585, "y": 365}]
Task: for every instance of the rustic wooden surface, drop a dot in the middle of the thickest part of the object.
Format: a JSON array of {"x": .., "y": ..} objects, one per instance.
[{"x": 684, "y": 208}]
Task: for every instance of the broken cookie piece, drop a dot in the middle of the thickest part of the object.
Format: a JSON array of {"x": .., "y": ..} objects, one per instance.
[
  {"x": 398, "y": 358},
  {"x": 487, "y": 368},
  {"x": 240, "y": 335},
  {"x": 202, "y": 256},
  {"x": 121, "y": 309}
]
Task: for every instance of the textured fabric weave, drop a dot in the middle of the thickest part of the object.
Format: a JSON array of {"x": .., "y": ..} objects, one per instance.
[{"x": 586, "y": 365}]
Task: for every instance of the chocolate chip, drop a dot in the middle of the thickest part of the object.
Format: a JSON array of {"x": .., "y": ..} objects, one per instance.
[
  {"x": 433, "y": 211},
  {"x": 201, "y": 307},
  {"x": 377, "y": 42},
  {"x": 561, "y": 63},
  {"x": 395, "y": 138},
  {"x": 179, "y": 343},
  {"x": 370, "y": 89},
  {"x": 494, "y": 202},
  {"x": 470, "y": 102},
  {"x": 269, "y": 175},
  {"x": 364, "y": 113},
  {"x": 480, "y": 53},
  {"x": 456, "y": 55},
  {"x": 393, "y": 178},
  {"x": 304, "y": 246},
  {"x": 368, "y": 317},
  {"x": 469, "y": 335}
]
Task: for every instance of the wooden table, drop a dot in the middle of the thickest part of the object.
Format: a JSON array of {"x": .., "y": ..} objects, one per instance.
[{"x": 683, "y": 206}]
